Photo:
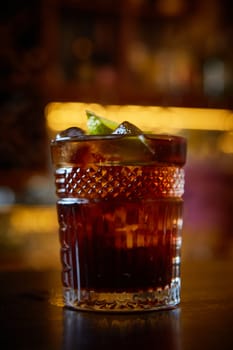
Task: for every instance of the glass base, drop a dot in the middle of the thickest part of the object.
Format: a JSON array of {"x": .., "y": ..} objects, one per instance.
[{"x": 160, "y": 298}]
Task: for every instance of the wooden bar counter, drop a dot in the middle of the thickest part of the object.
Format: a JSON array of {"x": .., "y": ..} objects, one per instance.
[{"x": 31, "y": 317}]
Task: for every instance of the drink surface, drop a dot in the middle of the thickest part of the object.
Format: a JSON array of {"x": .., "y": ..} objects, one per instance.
[{"x": 119, "y": 149}]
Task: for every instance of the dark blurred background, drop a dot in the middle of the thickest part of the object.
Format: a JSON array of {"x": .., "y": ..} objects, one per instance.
[{"x": 113, "y": 52}]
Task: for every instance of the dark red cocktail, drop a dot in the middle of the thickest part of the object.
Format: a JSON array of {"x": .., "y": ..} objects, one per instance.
[{"x": 120, "y": 217}]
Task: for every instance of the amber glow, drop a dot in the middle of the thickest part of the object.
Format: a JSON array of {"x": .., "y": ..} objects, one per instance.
[
  {"x": 26, "y": 220},
  {"x": 60, "y": 116}
]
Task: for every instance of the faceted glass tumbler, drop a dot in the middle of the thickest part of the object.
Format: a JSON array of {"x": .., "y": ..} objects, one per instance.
[{"x": 120, "y": 220}]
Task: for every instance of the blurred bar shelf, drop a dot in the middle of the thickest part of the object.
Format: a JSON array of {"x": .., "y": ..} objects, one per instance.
[{"x": 131, "y": 52}]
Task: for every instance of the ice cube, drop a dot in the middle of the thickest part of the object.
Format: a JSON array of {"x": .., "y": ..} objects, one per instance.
[
  {"x": 131, "y": 146},
  {"x": 70, "y": 133},
  {"x": 127, "y": 128}
]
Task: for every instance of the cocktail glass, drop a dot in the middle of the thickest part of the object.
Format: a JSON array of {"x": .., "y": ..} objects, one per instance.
[{"x": 120, "y": 220}]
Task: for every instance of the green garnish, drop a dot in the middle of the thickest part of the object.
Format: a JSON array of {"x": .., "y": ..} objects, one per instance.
[{"x": 97, "y": 125}]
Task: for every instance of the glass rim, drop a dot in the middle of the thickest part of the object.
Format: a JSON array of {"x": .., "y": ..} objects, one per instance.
[{"x": 89, "y": 137}]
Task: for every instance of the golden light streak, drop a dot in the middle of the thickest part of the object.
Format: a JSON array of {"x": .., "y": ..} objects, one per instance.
[{"x": 60, "y": 116}]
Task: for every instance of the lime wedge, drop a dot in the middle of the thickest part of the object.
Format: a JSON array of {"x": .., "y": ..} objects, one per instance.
[{"x": 97, "y": 125}]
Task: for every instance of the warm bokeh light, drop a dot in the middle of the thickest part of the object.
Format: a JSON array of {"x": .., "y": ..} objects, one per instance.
[
  {"x": 60, "y": 116},
  {"x": 225, "y": 142},
  {"x": 29, "y": 237},
  {"x": 26, "y": 220}
]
